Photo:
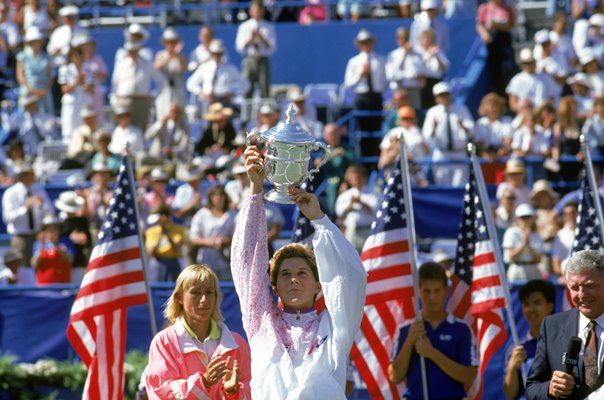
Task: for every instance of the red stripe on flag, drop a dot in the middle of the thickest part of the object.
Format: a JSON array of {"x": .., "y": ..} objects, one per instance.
[
  {"x": 483, "y": 259},
  {"x": 485, "y": 283},
  {"x": 388, "y": 295},
  {"x": 114, "y": 258},
  {"x": 477, "y": 308},
  {"x": 388, "y": 272},
  {"x": 109, "y": 346},
  {"x": 365, "y": 372},
  {"x": 111, "y": 282},
  {"x": 379, "y": 351},
  {"x": 126, "y": 301},
  {"x": 387, "y": 318},
  {"x": 387, "y": 249}
]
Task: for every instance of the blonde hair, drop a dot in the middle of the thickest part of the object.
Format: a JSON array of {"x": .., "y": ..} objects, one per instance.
[
  {"x": 292, "y": 250},
  {"x": 193, "y": 275},
  {"x": 493, "y": 98}
]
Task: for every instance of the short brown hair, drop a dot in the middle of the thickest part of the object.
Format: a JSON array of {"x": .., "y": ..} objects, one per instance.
[
  {"x": 432, "y": 271},
  {"x": 290, "y": 251}
]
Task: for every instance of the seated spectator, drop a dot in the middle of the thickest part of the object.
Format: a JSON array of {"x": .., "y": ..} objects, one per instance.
[
  {"x": 356, "y": 206},
  {"x": 125, "y": 132},
  {"x": 429, "y": 19},
  {"x": 504, "y": 214},
  {"x": 172, "y": 66},
  {"x": 400, "y": 98},
  {"x": 34, "y": 70},
  {"x": 98, "y": 195},
  {"x": 563, "y": 242},
  {"x": 158, "y": 181},
  {"x": 566, "y": 140},
  {"x": 274, "y": 222},
  {"x": 164, "y": 241},
  {"x": 103, "y": 155},
  {"x": 529, "y": 139},
  {"x": 33, "y": 14},
  {"x": 582, "y": 92},
  {"x": 15, "y": 155},
  {"x": 76, "y": 226},
  {"x": 515, "y": 180},
  {"x": 217, "y": 139},
  {"x": 303, "y": 114},
  {"x": 417, "y": 147},
  {"x": 538, "y": 298},
  {"x": 493, "y": 130},
  {"x": 593, "y": 129},
  {"x": 238, "y": 189},
  {"x": 590, "y": 65},
  {"x": 268, "y": 117},
  {"x": 169, "y": 137},
  {"x": 201, "y": 54},
  {"x": 436, "y": 65},
  {"x": 81, "y": 145},
  {"x": 52, "y": 255},
  {"x": 527, "y": 84},
  {"x": 405, "y": 69},
  {"x": 548, "y": 64},
  {"x": 546, "y": 119},
  {"x": 212, "y": 230},
  {"x": 523, "y": 247},
  {"x": 543, "y": 199},
  {"x": 13, "y": 272}
]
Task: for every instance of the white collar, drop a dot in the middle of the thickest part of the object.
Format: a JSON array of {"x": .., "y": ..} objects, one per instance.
[
  {"x": 188, "y": 344},
  {"x": 584, "y": 321}
]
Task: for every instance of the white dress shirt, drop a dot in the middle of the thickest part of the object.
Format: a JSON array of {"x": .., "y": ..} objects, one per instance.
[
  {"x": 198, "y": 56},
  {"x": 527, "y": 86},
  {"x": 134, "y": 79},
  {"x": 358, "y": 216},
  {"x": 422, "y": 23},
  {"x": 131, "y": 134},
  {"x": 405, "y": 68},
  {"x": 221, "y": 79},
  {"x": 435, "y": 65},
  {"x": 46, "y": 128},
  {"x": 60, "y": 39},
  {"x": 534, "y": 143},
  {"x": 354, "y": 68},
  {"x": 435, "y": 127},
  {"x": 493, "y": 133},
  {"x": 244, "y": 34},
  {"x": 15, "y": 213}
]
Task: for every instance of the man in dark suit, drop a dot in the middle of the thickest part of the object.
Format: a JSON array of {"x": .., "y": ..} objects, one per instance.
[{"x": 548, "y": 379}]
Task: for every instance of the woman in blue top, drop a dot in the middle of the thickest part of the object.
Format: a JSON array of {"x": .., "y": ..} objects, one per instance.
[{"x": 34, "y": 70}]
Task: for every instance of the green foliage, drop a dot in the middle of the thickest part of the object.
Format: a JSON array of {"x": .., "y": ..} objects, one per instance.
[{"x": 47, "y": 377}]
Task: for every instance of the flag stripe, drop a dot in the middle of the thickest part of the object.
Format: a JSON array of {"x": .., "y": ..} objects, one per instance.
[
  {"x": 388, "y": 295},
  {"x": 385, "y": 250},
  {"x": 389, "y": 272}
]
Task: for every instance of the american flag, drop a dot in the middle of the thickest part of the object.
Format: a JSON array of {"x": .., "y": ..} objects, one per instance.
[
  {"x": 389, "y": 300},
  {"x": 477, "y": 294},
  {"x": 114, "y": 280}
]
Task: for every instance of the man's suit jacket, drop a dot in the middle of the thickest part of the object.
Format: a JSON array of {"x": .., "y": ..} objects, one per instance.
[{"x": 553, "y": 341}]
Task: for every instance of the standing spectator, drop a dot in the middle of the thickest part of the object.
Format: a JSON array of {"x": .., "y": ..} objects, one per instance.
[
  {"x": 593, "y": 129},
  {"x": 98, "y": 195},
  {"x": 522, "y": 246},
  {"x": 504, "y": 214},
  {"x": 125, "y": 132},
  {"x": 592, "y": 69},
  {"x": 217, "y": 139},
  {"x": 365, "y": 74},
  {"x": 23, "y": 206},
  {"x": 157, "y": 195},
  {"x": 212, "y": 230},
  {"x": 78, "y": 88},
  {"x": 444, "y": 341},
  {"x": 135, "y": 33},
  {"x": 529, "y": 139},
  {"x": 81, "y": 144},
  {"x": 447, "y": 128},
  {"x": 164, "y": 241},
  {"x": 132, "y": 81},
  {"x": 201, "y": 53},
  {"x": 428, "y": 18},
  {"x": 198, "y": 356},
  {"x": 515, "y": 180},
  {"x": 581, "y": 90},
  {"x": 256, "y": 41},
  {"x": 10, "y": 37},
  {"x": 493, "y": 130},
  {"x": 34, "y": 70},
  {"x": 238, "y": 188},
  {"x": 543, "y": 199},
  {"x": 76, "y": 227},
  {"x": 400, "y": 98},
  {"x": 34, "y": 14},
  {"x": 563, "y": 242},
  {"x": 95, "y": 65},
  {"x": 494, "y": 23},
  {"x": 538, "y": 298},
  {"x": 172, "y": 65},
  {"x": 405, "y": 68},
  {"x": 563, "y": 46},
  {"x": 526, "y": 85},
  {"x": 13, "y": 272},
  {"x": 436, "y": 65},
  {"x": 356, "y": 206},
  {"x": 217, "y": 80},
  {"x": 60, "y": 39},
  {"x": 168, "y": 137},
  {"x": 52, "y": 255},
  {"x": 566, "y": 140},
  {"x": 304, "y": 115}
]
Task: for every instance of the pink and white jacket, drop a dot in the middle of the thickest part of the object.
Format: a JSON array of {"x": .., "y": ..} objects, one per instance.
[
  {"x": 303, "y": 356},
  {"x": 176, "y": 364}
]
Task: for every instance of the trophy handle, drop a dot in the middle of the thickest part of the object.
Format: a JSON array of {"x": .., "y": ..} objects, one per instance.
[{"x": 327, "y": 149}]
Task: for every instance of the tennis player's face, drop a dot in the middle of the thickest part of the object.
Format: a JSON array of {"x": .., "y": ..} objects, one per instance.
[
  {"x": 296, "y": 285},
  {"x": 198, "y": 302}
]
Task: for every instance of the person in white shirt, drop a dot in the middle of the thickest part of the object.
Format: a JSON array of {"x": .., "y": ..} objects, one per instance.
[
  {"x": 217, "y": 81},
  {"x": 436, "y": 65},
  {"x": 356, "y": 206},
  {"x": 138, "y": 34},
  {"x": 591, "y": 68},
  {"x": 60, "y": 39},
  {"x": 24, "y": 204},
  {"x": 126, "y": 132},
  {"x": 238, "y": 188},
  {"x": 405, "y": 68},
  {"x": 447, "y": 128},
  {"x": 527, "y": 84},
  {"x": 493, "y": 130},
  {"x": 529, "y": 139},
  {"x": 428, "y": 18},
  {"x": 13, "y": 273},
  {"x": 366, "y": 75},
  {"x": 201, "y": 54},
  {"x": 563, "y": 242},
  {"x": 581, "y": 87},
  {"x": 171, "y": 65},
  {"x": 256, "y": 41},
  {"x": 131, "y": 84},
  {"x": 304, "y": 114}
]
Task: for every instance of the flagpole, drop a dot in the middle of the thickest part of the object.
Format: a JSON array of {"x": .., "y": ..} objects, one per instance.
[
  {"x": 140, "y": 243},
  {"x": 412, "y": 248},
  {"x": 589, "y": 170},
  {"x": 488, "y": 217}
]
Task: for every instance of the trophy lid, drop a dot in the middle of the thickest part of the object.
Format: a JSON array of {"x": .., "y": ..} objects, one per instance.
[{"x": 289, "y": 131}]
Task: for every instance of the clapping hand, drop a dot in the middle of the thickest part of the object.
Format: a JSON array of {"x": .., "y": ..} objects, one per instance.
[
  {"x": 217, "y": 368},
  {"x": 230, "y": 380}
]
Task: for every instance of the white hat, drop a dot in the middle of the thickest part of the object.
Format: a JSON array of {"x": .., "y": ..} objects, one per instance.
[
  {"x": 364, "y": 35},
  {"x": 158, "y": 174},
  {"x": 238, "y": 169},
  {"x": 136, "y": 29},
  {"x": 267, "y": 108},
  {"x": 440, "y": 88},
  {"x": 216, "y": 46},
  {"x": 441, "y": 256},
  {"x": 69, "y": 10},
  {"x": 524, "y": 210},
  {"x": 101, "y": 166},
  {"x": 586, "y": 57},
  {"x": 170, "y": 35},
  {"x": 542, "y": 185},
  {"x": 295, "y": 94},
  {"x": 69, "y": 202},
  {"x": 22, "y": 168},
  {"x": 87, "y": 111},
  {"x": 34, "y": 33},
  {"x": 121, "y": 110},
  {"x": 526, "y": 55},
  {"x": 27, "y": 99},
  {"x": 191, "y": 174},
  {"x": 428, "y": 4},
  {"x": 51, "y": 219},
  {"x": 597, "y": 20},
  {"x": 543, "y": 36},
  {"x": 580, "y": 78},
  {"x": 81, "y": 39}
]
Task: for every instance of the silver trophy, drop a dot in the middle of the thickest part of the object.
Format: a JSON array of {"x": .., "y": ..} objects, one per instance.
[{"x": 287, "y": 148}]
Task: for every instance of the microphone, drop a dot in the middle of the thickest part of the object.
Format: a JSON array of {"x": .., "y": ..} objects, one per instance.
[{"x": 570, "y": 358}]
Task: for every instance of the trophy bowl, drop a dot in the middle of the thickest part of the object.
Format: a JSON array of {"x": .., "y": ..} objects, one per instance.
[{"x": 287, "y": 149}]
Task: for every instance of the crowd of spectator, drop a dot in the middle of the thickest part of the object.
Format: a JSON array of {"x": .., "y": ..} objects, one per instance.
[{"x": 541, "y": 102}]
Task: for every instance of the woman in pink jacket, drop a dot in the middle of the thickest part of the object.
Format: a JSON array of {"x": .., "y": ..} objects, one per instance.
[{"x": 198, "y": 357}]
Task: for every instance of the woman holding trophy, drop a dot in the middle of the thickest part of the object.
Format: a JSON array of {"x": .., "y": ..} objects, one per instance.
[{"x": 296, "y": 353}]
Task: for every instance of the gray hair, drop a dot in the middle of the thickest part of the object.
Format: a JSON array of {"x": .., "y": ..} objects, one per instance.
[{"x": 584, "y": 260}]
